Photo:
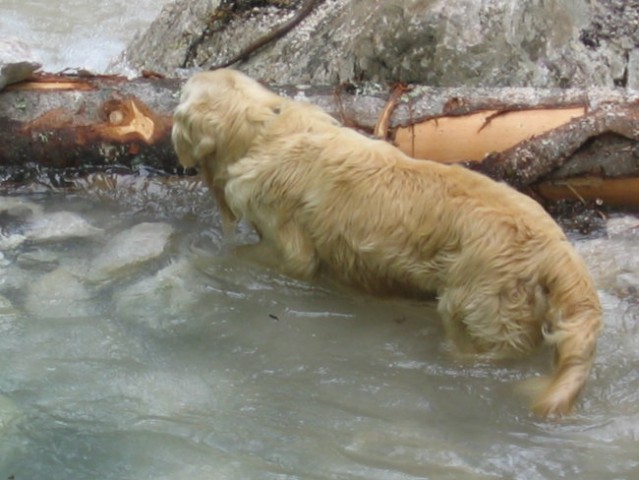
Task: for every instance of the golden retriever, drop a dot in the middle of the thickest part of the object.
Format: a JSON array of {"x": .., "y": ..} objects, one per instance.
[{"x": 326, "y": 199}]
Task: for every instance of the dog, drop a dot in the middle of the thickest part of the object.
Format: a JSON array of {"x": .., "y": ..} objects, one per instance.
[{"x": 328, "y": 200}]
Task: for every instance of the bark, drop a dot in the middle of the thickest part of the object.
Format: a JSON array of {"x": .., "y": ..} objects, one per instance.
[{"x": 574, "y": 144}]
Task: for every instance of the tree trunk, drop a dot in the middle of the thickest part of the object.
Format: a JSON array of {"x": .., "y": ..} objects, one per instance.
[{"x": 573, "y": 144}]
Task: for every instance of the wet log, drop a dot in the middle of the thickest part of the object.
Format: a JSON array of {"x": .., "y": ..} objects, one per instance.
[
  {"x": 574, "y": 144},
  {"x": 83, "y": 121}
]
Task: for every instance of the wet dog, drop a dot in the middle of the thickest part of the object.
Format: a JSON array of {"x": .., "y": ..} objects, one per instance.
[{"x": 328, "y": 200}]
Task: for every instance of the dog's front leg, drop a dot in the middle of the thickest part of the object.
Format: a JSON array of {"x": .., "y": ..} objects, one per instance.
[
  {"x": 258, "y": 253},
  {"x": 286, "y": 249},
  {"x": 229, "y": 220}
]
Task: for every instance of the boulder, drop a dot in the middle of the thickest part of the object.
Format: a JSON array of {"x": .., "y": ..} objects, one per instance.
[
  {"x": 129, "y": 250},
  {"x": 495, "y": 43},
  {"x": 59, "y": 294},
  {"x": 59, "y": 226}
]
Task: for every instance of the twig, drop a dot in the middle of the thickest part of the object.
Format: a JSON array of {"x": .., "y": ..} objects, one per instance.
[{"x": 381, "y": 127}]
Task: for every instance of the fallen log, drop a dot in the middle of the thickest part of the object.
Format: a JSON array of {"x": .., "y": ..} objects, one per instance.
[
  {"x": 73, "y": 121},
  {"x": 573, "y": 144}
]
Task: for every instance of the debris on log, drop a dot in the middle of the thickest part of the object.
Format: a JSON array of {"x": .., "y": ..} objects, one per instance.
[{"x": 576, "y": 144}]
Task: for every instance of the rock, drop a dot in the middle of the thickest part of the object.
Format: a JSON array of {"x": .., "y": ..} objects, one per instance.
[
  {"x": 495, "y": 43},
  {"x": 169, "y": 291},
  {"x": 13, "y": 279},
  {"x": 130, "y": 250},
  {"x": 9, "y": 414},
  {"x": 7, "y": 314},
  {"x": 16, "y": 62},
  {"x": 19, "y": 208},
  {"x": 38, "y": 260},
  {"x": 58, "y": 226},
  {"x": 176, "y": 27},
  {"x": 14, "y": 211},
  {"x": 11, "y": 241},
  {"x": 59, "y": 294}
]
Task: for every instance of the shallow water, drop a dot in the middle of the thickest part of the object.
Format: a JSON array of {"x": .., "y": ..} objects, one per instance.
[{"x": 195, "y": 365}]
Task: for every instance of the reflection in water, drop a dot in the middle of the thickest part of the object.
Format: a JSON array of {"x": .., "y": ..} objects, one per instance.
[{"x": 191, "y": 363}]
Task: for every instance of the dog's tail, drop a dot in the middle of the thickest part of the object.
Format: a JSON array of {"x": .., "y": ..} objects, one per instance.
[{"x": 573, "y": 324}]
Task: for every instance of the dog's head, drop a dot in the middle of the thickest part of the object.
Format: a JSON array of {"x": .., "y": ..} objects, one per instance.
[{"x": 220, "y": 115}]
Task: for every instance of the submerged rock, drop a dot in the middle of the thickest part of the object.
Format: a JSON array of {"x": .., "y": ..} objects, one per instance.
[
  {"x": 10, "y": 414},
  {"x": 7, "y": 313},
  {"x": 19, "y": 208},
  {"x": 495, "y": 43},
  {"x": 170, "y": 291},
  {"x": 58, "y": 226},
  {"x": 59, "y": 294},
  {"x": 13, "y": 279},
  {"x": 14, "y": 212},
  {"x": 38, "y": 260},
  {"x": 11, "y": 241},
  {"x": 130, "y": 250}
]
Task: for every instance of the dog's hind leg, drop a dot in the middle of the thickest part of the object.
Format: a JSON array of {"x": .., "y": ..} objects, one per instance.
[
  {"x": 494, "y": 319},
  {"x": 451, "y": 309}
]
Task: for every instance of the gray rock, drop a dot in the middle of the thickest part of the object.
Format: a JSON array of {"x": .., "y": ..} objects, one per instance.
[
  {"x": 129, "y": 250},
  {"x": 14, "y": 279},
  {"x": 59, "y": 226},
  {"x": 178, "y": 26},
  {"x": 11, "y": 241},
  {"x": 10, "y": 414},
  {"x": 16, "y": 61},
  {"x": 496, "y": 43},
  {"x": 171, "y": 290},
  {"x": 8, "y": 315},
  {"x": 38, "y": 260},
  {"x": 19, "y": 208},
  {"x": 59, "y": 294}
]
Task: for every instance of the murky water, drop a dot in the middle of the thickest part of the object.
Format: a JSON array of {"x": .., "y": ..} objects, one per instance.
[
  {"x": 189, "y": 364},
  {"x": 175, "y": 360}
]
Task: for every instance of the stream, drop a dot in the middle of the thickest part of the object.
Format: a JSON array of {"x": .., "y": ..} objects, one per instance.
[{"x": 134, "y": 345}]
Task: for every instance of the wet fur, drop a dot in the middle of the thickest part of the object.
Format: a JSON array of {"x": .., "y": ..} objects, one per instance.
[{"x": 326, "y": 199}]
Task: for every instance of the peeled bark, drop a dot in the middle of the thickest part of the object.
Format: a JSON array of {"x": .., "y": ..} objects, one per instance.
[{"x": 561, "y": 143}]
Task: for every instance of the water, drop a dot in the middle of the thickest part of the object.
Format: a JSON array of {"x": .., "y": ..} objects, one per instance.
[
  {"x": 195, "y": 365},
  {"x": 198, "y": 365},
  {"x": 76, "y": 33}
]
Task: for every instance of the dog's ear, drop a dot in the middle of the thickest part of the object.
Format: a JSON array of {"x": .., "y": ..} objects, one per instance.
[
  {"x": 181, "y": 138},
  {"x": 192, "y": 142}
]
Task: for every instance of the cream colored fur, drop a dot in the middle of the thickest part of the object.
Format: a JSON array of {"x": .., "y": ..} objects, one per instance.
[{"x": 326, "y": 199}]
